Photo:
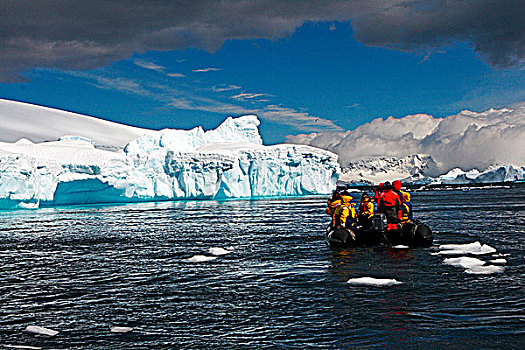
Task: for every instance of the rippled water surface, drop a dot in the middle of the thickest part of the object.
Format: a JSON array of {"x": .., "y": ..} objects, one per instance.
[{"x": 83, "y": 270}]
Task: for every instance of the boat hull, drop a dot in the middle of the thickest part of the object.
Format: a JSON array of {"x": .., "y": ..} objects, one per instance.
[{"x": 411, "y": 234}]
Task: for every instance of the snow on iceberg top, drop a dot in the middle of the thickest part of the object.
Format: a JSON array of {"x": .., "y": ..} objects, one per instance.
[
  {"x": 36, "y": 123},
  {"x": 67, "y": 151},
  {"x": 233, "y": 131}
]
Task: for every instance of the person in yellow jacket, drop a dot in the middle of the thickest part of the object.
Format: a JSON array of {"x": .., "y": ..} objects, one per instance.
[
  {"x": 345, "y": 214},
  {"x": 333, "y": 202},
  {"x": 406, "y": 208},
  {"x": 366, "y": 211}
]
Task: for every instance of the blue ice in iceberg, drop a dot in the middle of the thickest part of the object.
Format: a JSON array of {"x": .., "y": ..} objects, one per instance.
[{"x": 227, "y": 162}]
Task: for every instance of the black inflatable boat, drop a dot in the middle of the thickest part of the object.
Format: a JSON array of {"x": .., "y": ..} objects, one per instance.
[{"x": 411, "y": 234}]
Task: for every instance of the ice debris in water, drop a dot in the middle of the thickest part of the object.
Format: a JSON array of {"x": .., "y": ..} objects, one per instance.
[
  {"x": 485, "y": 270},
  {"x": 41, "y": 331},
  {"x": 201, "y": 258},
  {"x": 499, "y": 261},
  {"x": 464, "y": 262},
  {"x": 117, "y": 329},
  {"x": 401, "y": 247},
  {"x": 9, "y": 346},
  {"x": 371, "y": 281},
  {"x": 474, "y": 265},
  {"x": 219, "y": 251},
  {"x": 474, "y": 248}
]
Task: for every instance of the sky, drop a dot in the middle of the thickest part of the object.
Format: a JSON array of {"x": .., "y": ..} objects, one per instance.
[{"x": 300, "y": 66}]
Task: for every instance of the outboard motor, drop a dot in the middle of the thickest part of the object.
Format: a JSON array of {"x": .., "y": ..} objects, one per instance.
[{"x": 379, "y": 222}]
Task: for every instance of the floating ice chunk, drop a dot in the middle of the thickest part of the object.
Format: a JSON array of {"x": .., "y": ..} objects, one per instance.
[
  {"x": 9, "y": 346},
  {"x": 464, "y": 262},
  {"x": 468, "y": 246},
  {"x": 117, "y": 329},
  {"x": 485, "y": 270},
  {"x": 401, "y": 247},
  {"x": 41, "y": 331},
  {"x": 371, "y": 281},
  {"x": 201, "y": 258},
  {"x": 219, "y": 251},
  {"x": 499, "y": 261},
  {"x": 474, "y": 248}
]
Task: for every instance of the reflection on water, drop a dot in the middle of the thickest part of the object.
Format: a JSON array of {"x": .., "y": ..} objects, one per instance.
[{"x": 83, "y": 270}]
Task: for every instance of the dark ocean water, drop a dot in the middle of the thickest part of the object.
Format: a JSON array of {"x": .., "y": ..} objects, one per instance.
[{"x": 82, "y": 270}]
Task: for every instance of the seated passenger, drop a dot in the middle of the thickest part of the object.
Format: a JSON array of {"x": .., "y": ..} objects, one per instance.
[
  {"x": 345, "y": 214},
  {"x": 366, "y": 211}
]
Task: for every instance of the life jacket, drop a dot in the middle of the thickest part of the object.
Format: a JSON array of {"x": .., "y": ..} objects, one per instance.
[
  {"x": 332, "y": 205},
  {"x": 366, "y": 208},
  {"x": 405, "y": 213},
  {"x": 407, "y": 206}
]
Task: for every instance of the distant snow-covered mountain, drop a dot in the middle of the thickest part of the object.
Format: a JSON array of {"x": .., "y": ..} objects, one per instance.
[
  {"x": 374, "y": 170},
  {"x": 422, "y": 169},
  {"x": 504, "y": 173}
]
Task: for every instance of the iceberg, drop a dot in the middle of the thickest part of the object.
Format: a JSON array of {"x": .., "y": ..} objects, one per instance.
[{"x": 227, "y": 162}]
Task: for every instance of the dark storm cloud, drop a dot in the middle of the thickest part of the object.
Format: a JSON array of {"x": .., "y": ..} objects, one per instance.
[
  {"x": 83, "y": 34},
  {"x": 495, "y": 28}
]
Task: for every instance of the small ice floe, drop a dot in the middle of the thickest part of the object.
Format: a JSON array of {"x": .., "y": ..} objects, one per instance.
[
  {"x": 474, "y": 248},
  {"x": 499, "y": 261},
  {"x": 116, "y": 329},
  {"x": 485, "y": 270},
  {"x": 400, "y": 246},
  {"x": 371, "y": 281},
  {"x": 9, "y": 346},
  {"x": 41, "y": 331},
  {"x": 464, "y": 262},
  {"x": 219, "y": 251},
  {"x": 201, "y": 258}
]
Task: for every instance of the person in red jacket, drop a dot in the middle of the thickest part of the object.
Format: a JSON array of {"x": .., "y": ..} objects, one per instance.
[
  {"x": 378, "y": 190},
  {"x": 389, "y": 203},
  {"x": 397, "y": 189}
]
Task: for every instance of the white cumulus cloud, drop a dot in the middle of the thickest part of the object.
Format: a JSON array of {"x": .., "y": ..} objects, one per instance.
[{"x": 467, "y": 140}]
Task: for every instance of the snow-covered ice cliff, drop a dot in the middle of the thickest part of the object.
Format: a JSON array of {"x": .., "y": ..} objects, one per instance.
[{"x": 227, "y": 162}]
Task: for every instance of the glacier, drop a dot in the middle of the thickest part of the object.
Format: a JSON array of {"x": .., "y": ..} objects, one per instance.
[{"x": 227, "y": 162}]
